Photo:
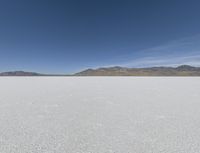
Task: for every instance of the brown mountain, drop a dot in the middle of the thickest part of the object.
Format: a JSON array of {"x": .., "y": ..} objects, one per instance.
[
  {"x": 20, "y": 73},
  {"x": 183, "y": 70}
]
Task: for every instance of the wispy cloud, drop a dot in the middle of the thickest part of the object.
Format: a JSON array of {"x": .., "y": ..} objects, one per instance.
[
  {"x": 182, "y": 51},
  {"x": 174, "y": 53},
  {"x": 164, "y": 61}
]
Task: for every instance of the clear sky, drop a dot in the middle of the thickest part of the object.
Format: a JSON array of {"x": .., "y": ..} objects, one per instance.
[{"x": 65, "y": 36}]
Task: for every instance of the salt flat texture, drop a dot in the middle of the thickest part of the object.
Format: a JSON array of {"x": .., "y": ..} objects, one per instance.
[{"x": 99, "y": 115}]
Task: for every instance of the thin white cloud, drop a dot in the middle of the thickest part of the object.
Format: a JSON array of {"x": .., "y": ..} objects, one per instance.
[
  {"x": 164, "y": 61},
  {"x": 178, "y": 52}
]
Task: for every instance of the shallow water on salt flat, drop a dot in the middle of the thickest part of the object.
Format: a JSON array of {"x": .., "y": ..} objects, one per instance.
[{"x": 99, "y": 114}]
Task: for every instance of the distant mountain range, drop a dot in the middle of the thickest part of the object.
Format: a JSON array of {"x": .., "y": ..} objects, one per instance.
[
  {"x": 20, "y": 73},
  {"x": 25, "y": 73},
  {"x": 183, "y": 70}
]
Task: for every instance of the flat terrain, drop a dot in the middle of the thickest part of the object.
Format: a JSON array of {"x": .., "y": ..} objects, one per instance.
[{"x": 99, "y": 115}]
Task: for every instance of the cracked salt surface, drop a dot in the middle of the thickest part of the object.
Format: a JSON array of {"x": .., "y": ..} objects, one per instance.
[{"x": 99, "y": 115}]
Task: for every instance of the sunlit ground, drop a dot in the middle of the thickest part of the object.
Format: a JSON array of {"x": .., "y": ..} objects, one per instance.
[{"x": 99, "y": 114}]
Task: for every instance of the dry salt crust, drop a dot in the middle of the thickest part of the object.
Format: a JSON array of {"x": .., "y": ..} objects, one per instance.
[{"x": 99, "y": 115}]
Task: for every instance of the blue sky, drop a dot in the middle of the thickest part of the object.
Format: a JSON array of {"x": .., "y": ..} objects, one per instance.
[{"x": 65, "y": 36}]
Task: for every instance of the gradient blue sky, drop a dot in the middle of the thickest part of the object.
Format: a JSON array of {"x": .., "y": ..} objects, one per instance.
[{"x": 65, "y": 36}]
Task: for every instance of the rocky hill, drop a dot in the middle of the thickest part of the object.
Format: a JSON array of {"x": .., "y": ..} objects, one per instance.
[{"x": 183, "y": 70}]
